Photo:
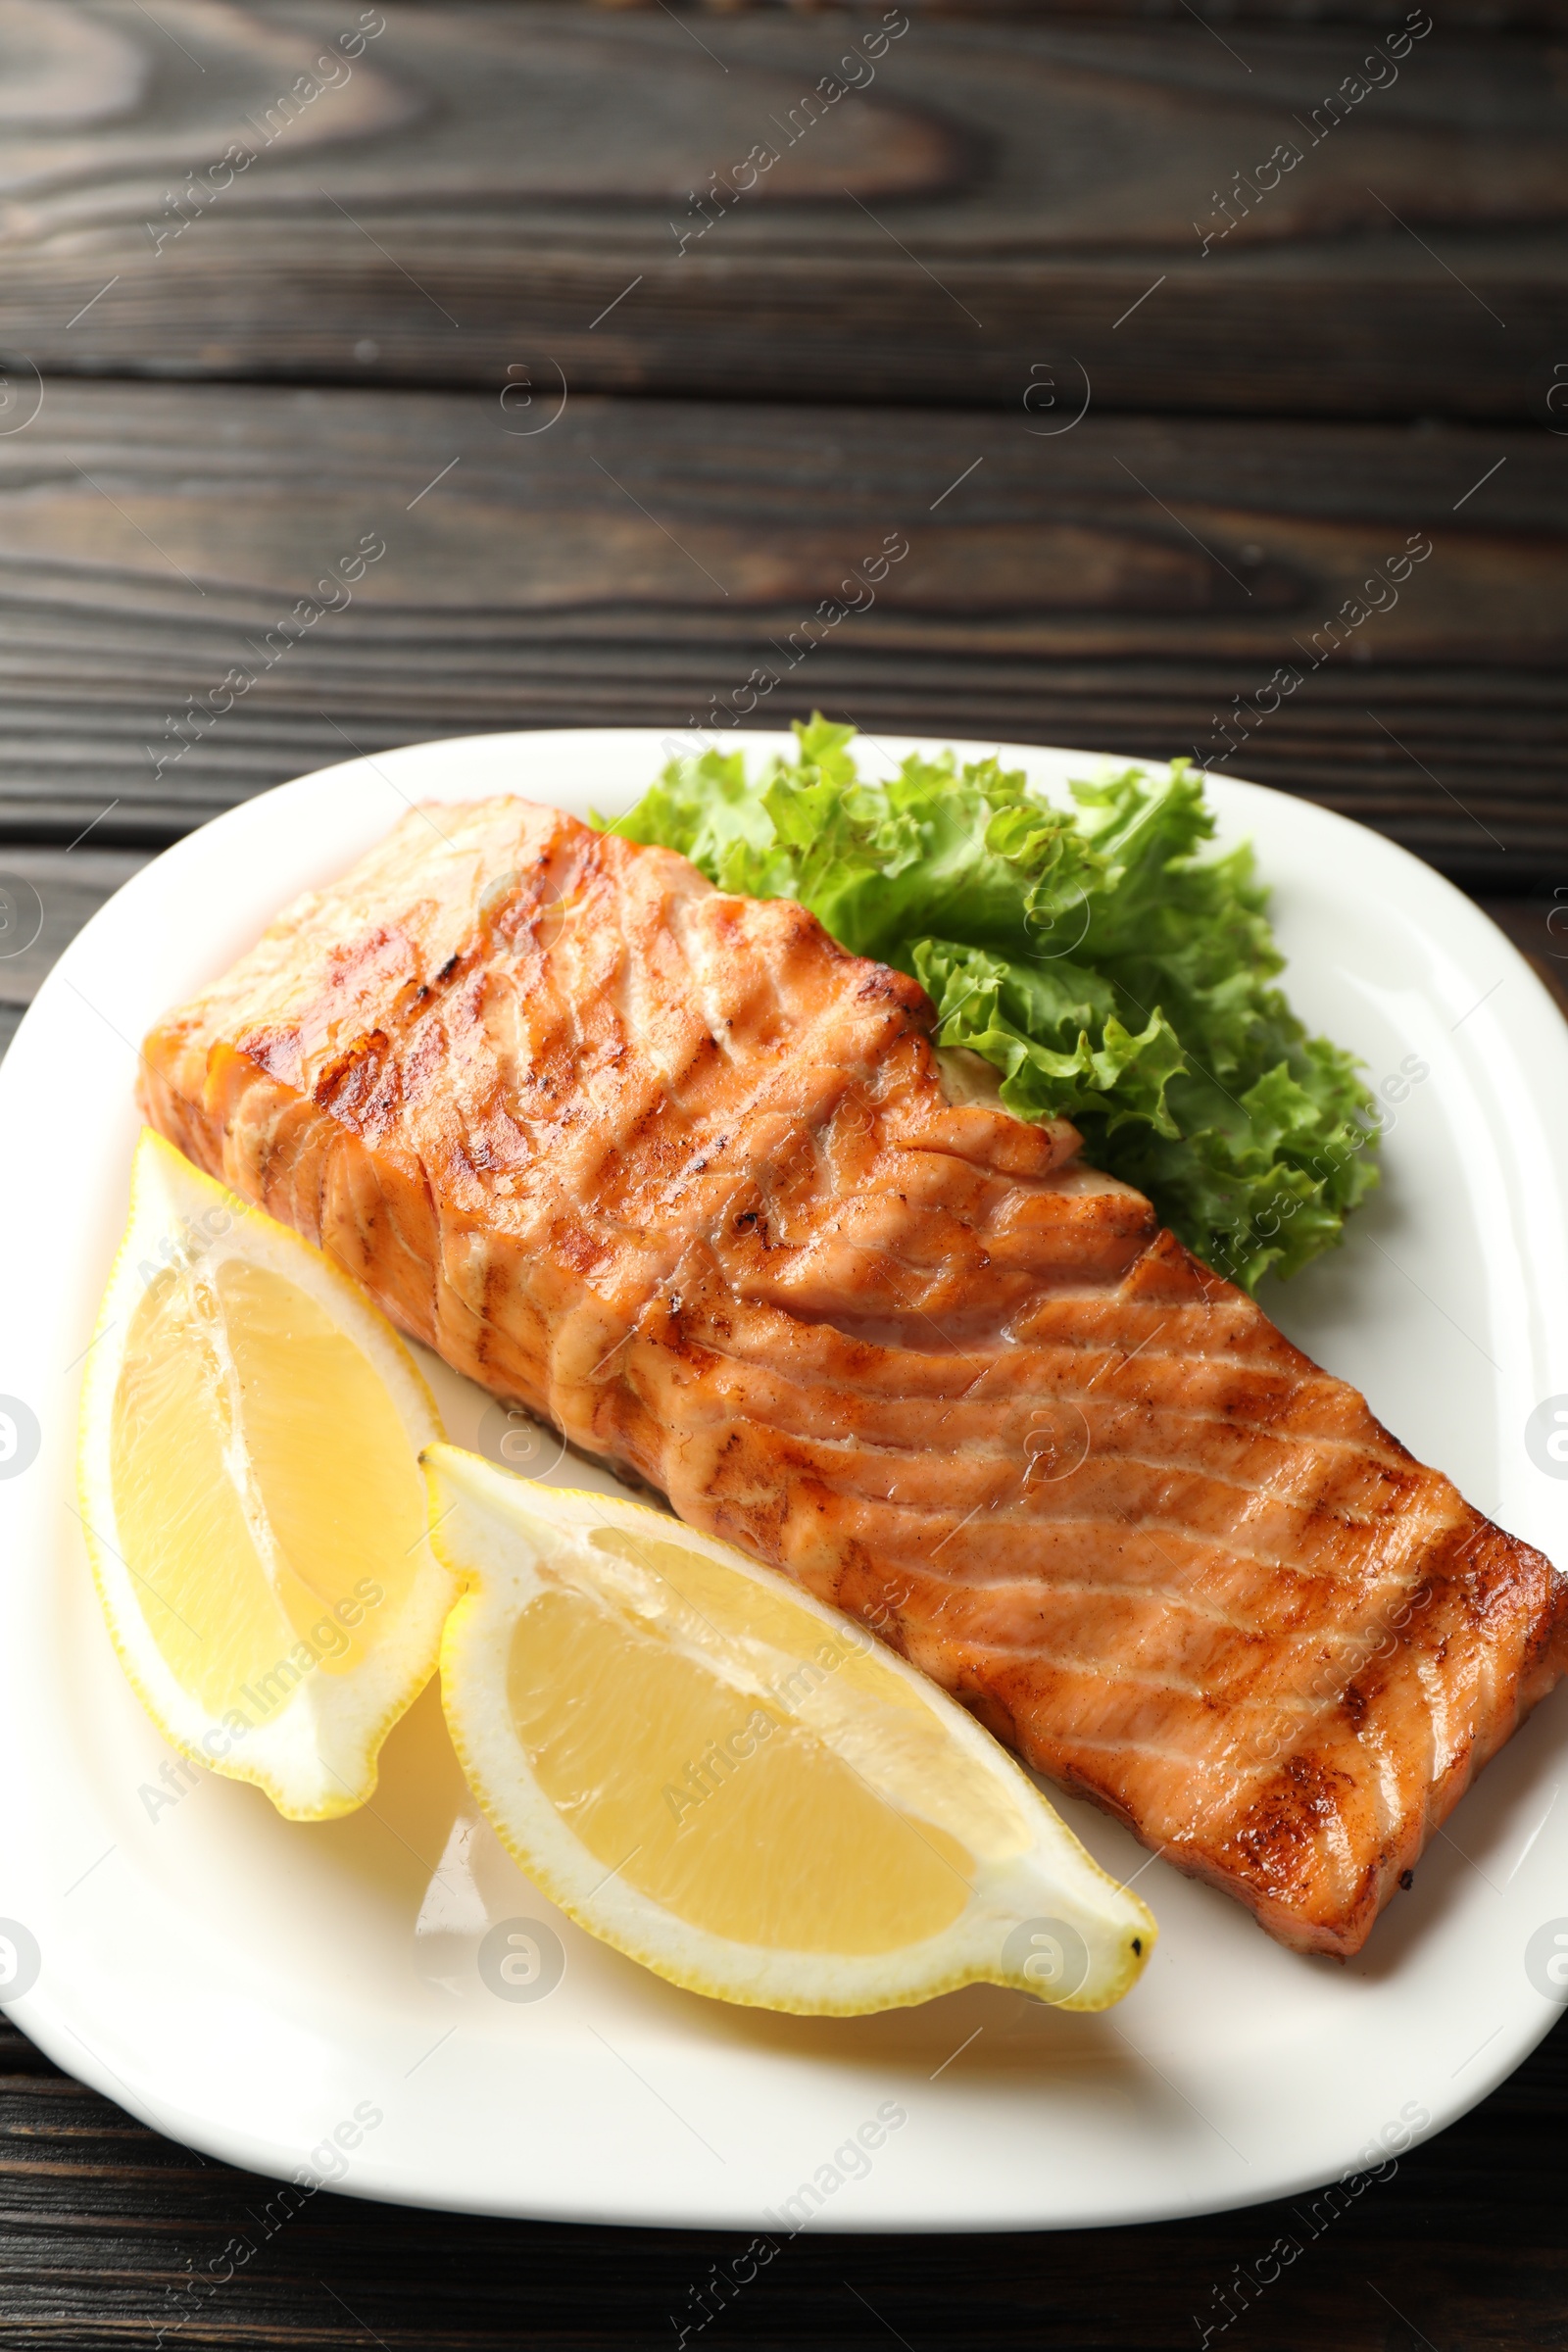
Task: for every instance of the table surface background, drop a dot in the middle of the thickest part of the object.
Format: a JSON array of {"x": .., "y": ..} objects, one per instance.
[{"x": 485, "y": 292}]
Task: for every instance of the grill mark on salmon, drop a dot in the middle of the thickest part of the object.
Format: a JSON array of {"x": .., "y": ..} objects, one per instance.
[{"x": 673, "y": 1171}]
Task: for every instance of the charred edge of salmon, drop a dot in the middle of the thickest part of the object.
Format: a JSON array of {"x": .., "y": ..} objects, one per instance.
[
  {"x": 1479, "y": 1591},
  {"x": 1488, "y": 1592}
]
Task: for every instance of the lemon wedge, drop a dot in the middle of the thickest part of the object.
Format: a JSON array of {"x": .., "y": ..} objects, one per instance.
[
  {"x": 251, "y": 1494},
  {"x": 737, "y": 1785}
]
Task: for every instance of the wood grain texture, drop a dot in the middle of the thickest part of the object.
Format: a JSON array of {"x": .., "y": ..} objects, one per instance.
[
  {"x": 168, "y": 557},
  {"x": 1373, "y": 15},
  {"x": 481, "y": 180},
  {"x": 105, "y": 2229}
]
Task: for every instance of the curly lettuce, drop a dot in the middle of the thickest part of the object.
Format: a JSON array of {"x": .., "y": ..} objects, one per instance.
[{"x": 1110, "y": 973}]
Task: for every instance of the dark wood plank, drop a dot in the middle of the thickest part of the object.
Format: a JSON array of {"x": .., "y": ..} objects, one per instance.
[
  {"x": 1371, "y": 16},
  {"x": 165, "y": 551},
  {"x": 104, "y": 2231},
  {"x": 484, "y": 183}
]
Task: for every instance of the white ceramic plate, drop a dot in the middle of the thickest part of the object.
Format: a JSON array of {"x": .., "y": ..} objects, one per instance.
[{"x": 311, "y": 1999}]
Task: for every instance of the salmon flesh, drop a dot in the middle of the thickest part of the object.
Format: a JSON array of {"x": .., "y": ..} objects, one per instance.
[{"x": 674, "y": 1173}]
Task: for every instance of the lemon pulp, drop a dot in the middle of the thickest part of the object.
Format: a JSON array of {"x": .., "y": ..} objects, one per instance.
[
  {"x": 765, "y": 1782},
  {"x": 267, "y": 1498},
  {"x": 759, "y": 1832},
  {"x": 735, "y": 1784}
]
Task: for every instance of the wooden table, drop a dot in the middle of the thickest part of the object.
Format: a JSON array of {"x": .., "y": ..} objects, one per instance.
[{"x": 618, "y": 334}]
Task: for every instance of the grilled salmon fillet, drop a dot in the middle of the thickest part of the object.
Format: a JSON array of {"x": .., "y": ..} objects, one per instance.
[{"x": 673, "y": 1171}]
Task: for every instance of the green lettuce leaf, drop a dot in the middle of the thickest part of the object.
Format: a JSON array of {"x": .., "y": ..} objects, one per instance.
[{"x": 1112, "y": 973}]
